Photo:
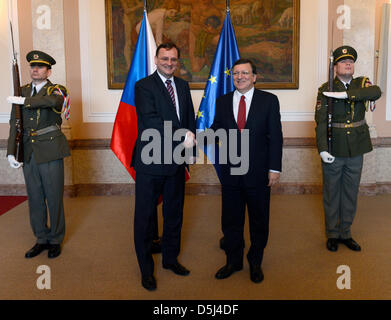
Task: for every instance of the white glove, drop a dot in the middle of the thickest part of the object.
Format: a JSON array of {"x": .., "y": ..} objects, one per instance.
[
  {"x": 336, "y": 95},
  {"x": 190, "y": 140},
  {"x": 16, "y": 100},
  {"x": 13, "y": 163},
  {"x": 327, "y": 157}
]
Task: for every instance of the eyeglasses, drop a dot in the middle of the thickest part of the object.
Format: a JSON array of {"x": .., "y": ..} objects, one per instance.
[{"x": 243, "y": 73}]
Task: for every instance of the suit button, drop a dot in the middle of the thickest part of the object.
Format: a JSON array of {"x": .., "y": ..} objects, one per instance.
[
  {"x": 32, "y": 141},
  {"x": 348, "y": 132},
  {"x": 348, "y": 121},
  {"x": 31, "y": 119}
]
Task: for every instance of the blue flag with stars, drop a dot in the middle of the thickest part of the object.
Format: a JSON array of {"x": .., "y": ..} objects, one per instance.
[{"x": 219, "y": 83}]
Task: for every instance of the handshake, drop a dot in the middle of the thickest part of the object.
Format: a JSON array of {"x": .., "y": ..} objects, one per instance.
[{"x": 190, "y": 140}]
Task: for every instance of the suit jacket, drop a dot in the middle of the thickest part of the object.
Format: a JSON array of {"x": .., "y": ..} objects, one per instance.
[
  {"x": 153, "y": 107},
  {"x": 38, "y": 112},
  {"x": 265, "y": 137},
  {"x": 349, "y": 141}
]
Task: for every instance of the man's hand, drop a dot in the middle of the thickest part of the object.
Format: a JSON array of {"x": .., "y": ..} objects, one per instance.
[
  {"x": 327, "y": 157},
  {"x": 190, "y": 140},
  {"x": 13, "y": 163},
  {"x": 336, "y": 95},
  {"x": 274, "y": 177},
  {"x": 16, "y": 100}
]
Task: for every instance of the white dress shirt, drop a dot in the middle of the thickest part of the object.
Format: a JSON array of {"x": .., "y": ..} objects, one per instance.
[
  {"x": 248, "y": 97},
  {"x": 38, "y": 87}
]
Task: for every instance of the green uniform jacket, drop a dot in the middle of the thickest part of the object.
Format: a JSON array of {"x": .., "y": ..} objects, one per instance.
[
  {"x": 38, "y": 112},
  {"x": 349, "y": 141}
]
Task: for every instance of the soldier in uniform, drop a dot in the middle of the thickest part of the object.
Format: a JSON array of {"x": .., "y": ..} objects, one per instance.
[
  {"x": 44, "y": 147},
  {"x": 342, "y": 165}
]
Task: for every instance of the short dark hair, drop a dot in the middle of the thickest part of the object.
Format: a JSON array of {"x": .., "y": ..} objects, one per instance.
[
  {"x": 168, "y": 46},
  {"x": 244, "y": 61}
]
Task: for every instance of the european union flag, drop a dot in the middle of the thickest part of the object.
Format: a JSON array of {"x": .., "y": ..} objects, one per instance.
[{"x": 219, "y": 83}]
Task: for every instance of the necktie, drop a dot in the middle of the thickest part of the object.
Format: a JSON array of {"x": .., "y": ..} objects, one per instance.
[
  {"x": 242, "y": 114},
  {"x": 171, "y": 92},
  {"x": 347, "y": 86},
  {"x": 34, "y": 91}
]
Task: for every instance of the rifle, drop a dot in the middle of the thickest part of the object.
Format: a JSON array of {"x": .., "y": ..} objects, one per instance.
[
  {"x": 17, "y": 108},
  {"x": 330, "y": 102}
]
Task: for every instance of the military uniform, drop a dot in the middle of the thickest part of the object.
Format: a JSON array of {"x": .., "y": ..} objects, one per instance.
[
  {"x": 44, "y": 147},
  {"x": 350, "y": 140}
]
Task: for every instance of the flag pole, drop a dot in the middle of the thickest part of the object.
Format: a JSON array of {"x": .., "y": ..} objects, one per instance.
[
  {"x": 227, "y": 5},
  {"x": 145, "y": 5}
]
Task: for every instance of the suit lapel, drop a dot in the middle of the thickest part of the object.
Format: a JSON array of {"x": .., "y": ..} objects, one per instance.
[
  {"x": 181, "y": 98},
  {"x": 234, "y": 124},
  {"x": 252, "y": 111}
]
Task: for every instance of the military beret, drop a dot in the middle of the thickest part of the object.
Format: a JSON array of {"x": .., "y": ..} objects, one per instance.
[
  {"x": 345, "y": 52},
  {"x": 40, "y": 58}
]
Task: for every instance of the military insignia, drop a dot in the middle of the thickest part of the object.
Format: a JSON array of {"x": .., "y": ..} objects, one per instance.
[
  {"x": 57, "y": 92},
  {"x": 35, "y": 56},
  {"x": 367, "y": 83},
  {"x": 344, "y": 51},
  {"x": 318, "y": 105}
]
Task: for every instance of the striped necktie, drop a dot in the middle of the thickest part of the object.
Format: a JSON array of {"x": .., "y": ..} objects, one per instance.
[{"x": 171, "y": 92}]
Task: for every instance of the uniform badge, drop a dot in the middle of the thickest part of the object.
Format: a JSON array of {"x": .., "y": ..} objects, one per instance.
[
  {"x": 318, "y": 105},
  {"x": 35, "y": 56},
  {"x": 344, "y": 51},
  {"x": 367, "y": 83}
]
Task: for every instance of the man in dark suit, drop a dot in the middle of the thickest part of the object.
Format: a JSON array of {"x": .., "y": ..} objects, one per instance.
[
  {"x": 44, "y": 147},
  {"x": 258, "y": 112},
  {"x": 161, "y": 99}
]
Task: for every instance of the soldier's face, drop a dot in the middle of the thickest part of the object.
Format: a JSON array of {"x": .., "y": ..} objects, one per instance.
[
  {"x": 39, "y": 73},
  {"x": 243, "y": 77},
  {"x": 167, "y": 62},
  {"x": 345, "y": 68}
]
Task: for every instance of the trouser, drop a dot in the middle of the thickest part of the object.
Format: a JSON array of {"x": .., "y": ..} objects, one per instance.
[
  {"x": 341, "y": 182},
  {"x": 234, "y": 201},
  {"x": 148, "y": 190},
  {"x": 45, "y": 190}
]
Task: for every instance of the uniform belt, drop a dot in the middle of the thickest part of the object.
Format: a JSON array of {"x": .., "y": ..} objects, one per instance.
[
  {"x": 44, "y": 131},
  {"x": 349, "y": 125}
]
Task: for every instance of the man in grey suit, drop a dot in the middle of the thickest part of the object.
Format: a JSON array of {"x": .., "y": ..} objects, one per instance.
[{"x": 44, "y": 147}]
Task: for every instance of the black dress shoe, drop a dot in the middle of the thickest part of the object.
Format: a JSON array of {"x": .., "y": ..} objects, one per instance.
[
  {"x": 256, "y": 274},
  {"x": 156, "y": 246},
  {"x": 36, "y": 250},
  {"x": 149, "y": 283},
  {"x": 227, "y": 271},
  {"x": 54, "y": 250},
  {"x": 351, "y": 244},
  {"x": 332, "y": 244},
  {"x": 177, "y": 268}
]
